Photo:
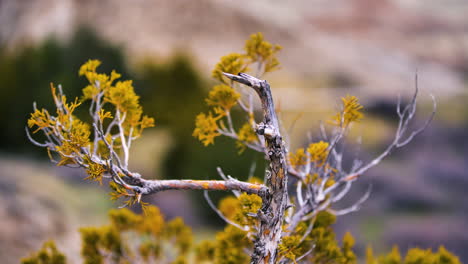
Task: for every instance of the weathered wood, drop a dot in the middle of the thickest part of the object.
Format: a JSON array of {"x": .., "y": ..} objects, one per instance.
[
  {"x": 154, "y": 186},
  {"x": 271, "y": 214}
]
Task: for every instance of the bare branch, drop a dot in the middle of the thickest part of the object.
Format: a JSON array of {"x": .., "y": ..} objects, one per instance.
[
  {"x": 399, "y": 141},
  {"x": 422, "y": 128},
  {"x": 299, "y": 197},
  {"x": 34, "y": 141},
  {"x": 342, "y": 193},
  {"x": 253, "y": 166},
  {"x": 232, "y": 135},
  {"x": 306, "y": 254},
  {"x": 355, "y": 206},
  {"x": 226, "y": 178},
  {"x": 307, "y": 232},
  {"x": 221, "y": 173},
  {"x": 154, "y": 186}
]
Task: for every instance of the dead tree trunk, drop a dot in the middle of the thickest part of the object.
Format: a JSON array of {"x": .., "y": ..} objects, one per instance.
[{"x": 271, "y": 214}]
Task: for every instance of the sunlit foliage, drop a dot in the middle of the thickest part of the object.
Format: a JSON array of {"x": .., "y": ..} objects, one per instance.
[
  {"x": 318, "y": 152},
  {"x": 132, "y": 238},
  {"x": 351, "y": 112},
  {"x": 261, "y": 57},
  {"x": 117, "y": 120},
  {"x": 259, "y": 50},
  {"x": 413, "y": 256},
  {"x": 206, "y": 128},
  {"x": 238, "y": 209},
  {"x": 321, "y": 238},
  {"x": 232, "y": 63},
  {"x": 222, "y": 98},
  {"x": 149, "y": 238}
]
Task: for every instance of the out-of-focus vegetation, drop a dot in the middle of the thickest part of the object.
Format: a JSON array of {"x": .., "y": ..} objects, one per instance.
[{"x": 133, "y": 238}]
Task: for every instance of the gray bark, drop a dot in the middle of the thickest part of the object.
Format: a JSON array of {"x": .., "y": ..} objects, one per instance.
[{"x": 271, "y": 215}]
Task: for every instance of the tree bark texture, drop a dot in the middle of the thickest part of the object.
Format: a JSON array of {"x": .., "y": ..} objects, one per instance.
[{"x": 271, "y": 214}]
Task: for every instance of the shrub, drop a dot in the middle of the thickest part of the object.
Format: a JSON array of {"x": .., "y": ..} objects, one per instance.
[{"x": 268, "y": 223}]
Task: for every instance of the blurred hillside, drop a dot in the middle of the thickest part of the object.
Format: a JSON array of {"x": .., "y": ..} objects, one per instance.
[
  {"x": 39, "y": 204},
  {"x": 374, "y": 46},
  {"x": 367, "y": 48}
]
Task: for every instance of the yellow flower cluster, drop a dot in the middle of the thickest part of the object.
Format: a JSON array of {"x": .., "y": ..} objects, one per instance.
[
  {"x": 230, "y": 243},
  {"x": 41, "y": 119},
  {"x": 230, "y": 246},
  {"x": 259, "y": 50},
  {"x": 298, "y": 159},
  {"x": 237, "y": 209},
  {"x": 222, "y": 98},
  {"x": 322, "y": 238},
  {"x": 205, "y": 252},
  {"x": 316, "y": 153},
  {"x": 97, "y": 81},
  {"x": 351, "y": 112},
  {"x": 233, "y": 63},
  {"x": 206, "y": 128}
]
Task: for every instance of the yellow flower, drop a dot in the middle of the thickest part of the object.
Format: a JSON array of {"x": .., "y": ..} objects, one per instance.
[
  {"x": 351, "y": 112},
  {"x": 222, "y": 96},
  {"x": 206, "y": 128},
  {"x": 238, "y": 209},
  {"x": 259, "y": 50},
  {"x": 298, "y": 159},
  {"x": 233, "y": 63},
  {"x": 89, "y": 66},
  {"x": 318, "y": 152},
  {"x": 229, "y": 206},
  {"x": 123, "y": 96}
]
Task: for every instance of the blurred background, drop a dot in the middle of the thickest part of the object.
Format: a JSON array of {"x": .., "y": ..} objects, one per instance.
[{"x": 370, "y": 49}]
